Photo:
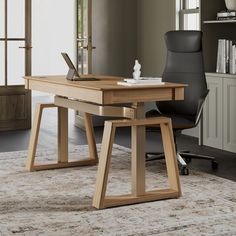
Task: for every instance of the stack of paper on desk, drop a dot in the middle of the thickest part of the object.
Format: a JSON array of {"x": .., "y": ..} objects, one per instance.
[{"x": 141, "y": 81}]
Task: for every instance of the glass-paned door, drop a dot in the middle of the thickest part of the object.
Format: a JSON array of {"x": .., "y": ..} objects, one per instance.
[
  {"x": 84, "y": 44},
  {"x": 84, "y": 36},
  {"x": 15, "y": 62}
]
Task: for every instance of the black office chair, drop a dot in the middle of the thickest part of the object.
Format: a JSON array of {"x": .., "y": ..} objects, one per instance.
[{"x": 184, "y": 65}]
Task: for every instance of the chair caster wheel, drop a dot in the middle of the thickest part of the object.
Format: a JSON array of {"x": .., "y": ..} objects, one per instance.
[
  {"x": 188, "y": 159},
  {"x": 214, "y": 165},
  {"x": 184, "y": 171}
]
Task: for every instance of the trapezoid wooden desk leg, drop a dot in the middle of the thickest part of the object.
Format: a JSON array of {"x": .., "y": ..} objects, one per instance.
[
  {"x": 62, "y": 135},
  {"x": 90, "y": 137},
  {"x": 170, "y": 156},
  {"x": 104, "y": 164},
  {"x": 138, "y": 160},
  {"x": 62, "y": 161},
  {"x": 139, "y": 193},
  {"x": 35, "y": 134},
  {"x": 138, "y": 164}
]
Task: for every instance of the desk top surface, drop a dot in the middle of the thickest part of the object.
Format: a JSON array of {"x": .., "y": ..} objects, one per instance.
[
  {"x": 104, "y": 82},
  {"x": 104, "y": 91}
]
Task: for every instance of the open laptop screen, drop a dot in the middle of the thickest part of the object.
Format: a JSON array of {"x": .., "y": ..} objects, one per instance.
[{"x": 73, "y": 73}]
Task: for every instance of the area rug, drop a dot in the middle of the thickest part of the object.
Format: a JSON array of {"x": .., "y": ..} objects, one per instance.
[{"x": 59, "y": 202}]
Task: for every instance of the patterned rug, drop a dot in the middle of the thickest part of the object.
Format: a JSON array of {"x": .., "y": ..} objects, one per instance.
[{"x": 58, "y": 202}]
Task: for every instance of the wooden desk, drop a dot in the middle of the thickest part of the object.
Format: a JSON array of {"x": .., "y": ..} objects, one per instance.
[{"x": 100, "y": 98}]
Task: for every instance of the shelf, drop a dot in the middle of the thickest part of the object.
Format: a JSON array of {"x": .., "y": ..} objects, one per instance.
[{"x": 218, "y": 21}]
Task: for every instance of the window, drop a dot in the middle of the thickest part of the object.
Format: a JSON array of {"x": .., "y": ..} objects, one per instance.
[{"x": 189, "y": 15}]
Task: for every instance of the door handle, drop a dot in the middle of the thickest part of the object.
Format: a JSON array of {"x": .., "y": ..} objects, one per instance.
[
  {"x": 81, "y": 39},
  {"x": 87, "y": 47},
  {"x": 26, "y": 47}
]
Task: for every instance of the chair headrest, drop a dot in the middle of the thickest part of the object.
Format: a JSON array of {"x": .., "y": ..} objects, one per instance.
[{"x": 184, "y": 41}]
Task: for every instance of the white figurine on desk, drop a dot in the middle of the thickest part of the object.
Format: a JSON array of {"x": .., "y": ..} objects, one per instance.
[{"x": 137, "y": 70}]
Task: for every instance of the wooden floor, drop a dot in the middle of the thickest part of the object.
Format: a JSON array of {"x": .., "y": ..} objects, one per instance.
[{"x": 18, "y": 140}]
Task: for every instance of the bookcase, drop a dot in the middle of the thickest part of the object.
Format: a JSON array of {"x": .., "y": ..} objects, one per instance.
[
  {"x": 219, "y": 115},
  {"x": 213, "y": 30}
]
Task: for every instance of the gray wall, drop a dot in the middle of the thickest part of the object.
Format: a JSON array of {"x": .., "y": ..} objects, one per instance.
[
  {"x": 155, "y": 18},
  {"x": 124, "y": 30},
  {"x": 115, "y": 36}
]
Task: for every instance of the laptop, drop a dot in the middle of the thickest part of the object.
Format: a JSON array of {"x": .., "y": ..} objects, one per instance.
[{"x": 73, "y": 74}]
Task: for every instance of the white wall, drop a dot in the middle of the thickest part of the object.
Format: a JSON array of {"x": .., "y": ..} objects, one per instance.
[{"x": 53, "y": 31}]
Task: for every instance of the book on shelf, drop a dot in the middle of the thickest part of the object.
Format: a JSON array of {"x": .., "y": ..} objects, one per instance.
[
  {"x": 231, "y": 54},
  {"x": 226, "y": 15},
  {"x": 226, "y": 57},
  {"x": 221, "y": 56},
  {"x": 226, "y": 18}
]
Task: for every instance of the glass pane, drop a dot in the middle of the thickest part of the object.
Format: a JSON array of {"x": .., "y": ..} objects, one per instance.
[
  {"x": 2, "y": 63},
  {"x": 2, "y": 18},
  {"x": 82, "y": 18},
  {"x": 192, "y": 4},
  {"x": 15, "y": 63},
  {"x": 52, "y": 35},
  {"x": 82, "y": 59},
  {"x": 191, "y": 21},
  {"x": 16, "y": 18},
  {"x": 82, "y": 36}
]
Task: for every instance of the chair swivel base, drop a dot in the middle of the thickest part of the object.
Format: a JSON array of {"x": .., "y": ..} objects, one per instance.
[
  {"x": 183, "y": 158},
  {"x": 183, "y": 169},
  {"x": 189, "y": 156}
]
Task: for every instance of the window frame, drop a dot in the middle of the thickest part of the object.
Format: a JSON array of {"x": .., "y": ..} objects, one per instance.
[{"x": 185, "y": 10}]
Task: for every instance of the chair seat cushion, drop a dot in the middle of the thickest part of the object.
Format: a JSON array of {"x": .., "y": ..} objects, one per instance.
[{"x": 178, "y": 121}]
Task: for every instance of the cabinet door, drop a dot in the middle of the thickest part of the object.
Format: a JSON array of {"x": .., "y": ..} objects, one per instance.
[
  {"x": 212, "y": 114},
  {"x": 229, "y": 110}
]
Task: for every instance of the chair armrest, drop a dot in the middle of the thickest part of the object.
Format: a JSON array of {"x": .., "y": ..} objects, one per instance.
[{"x": 200, "y": 107}]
